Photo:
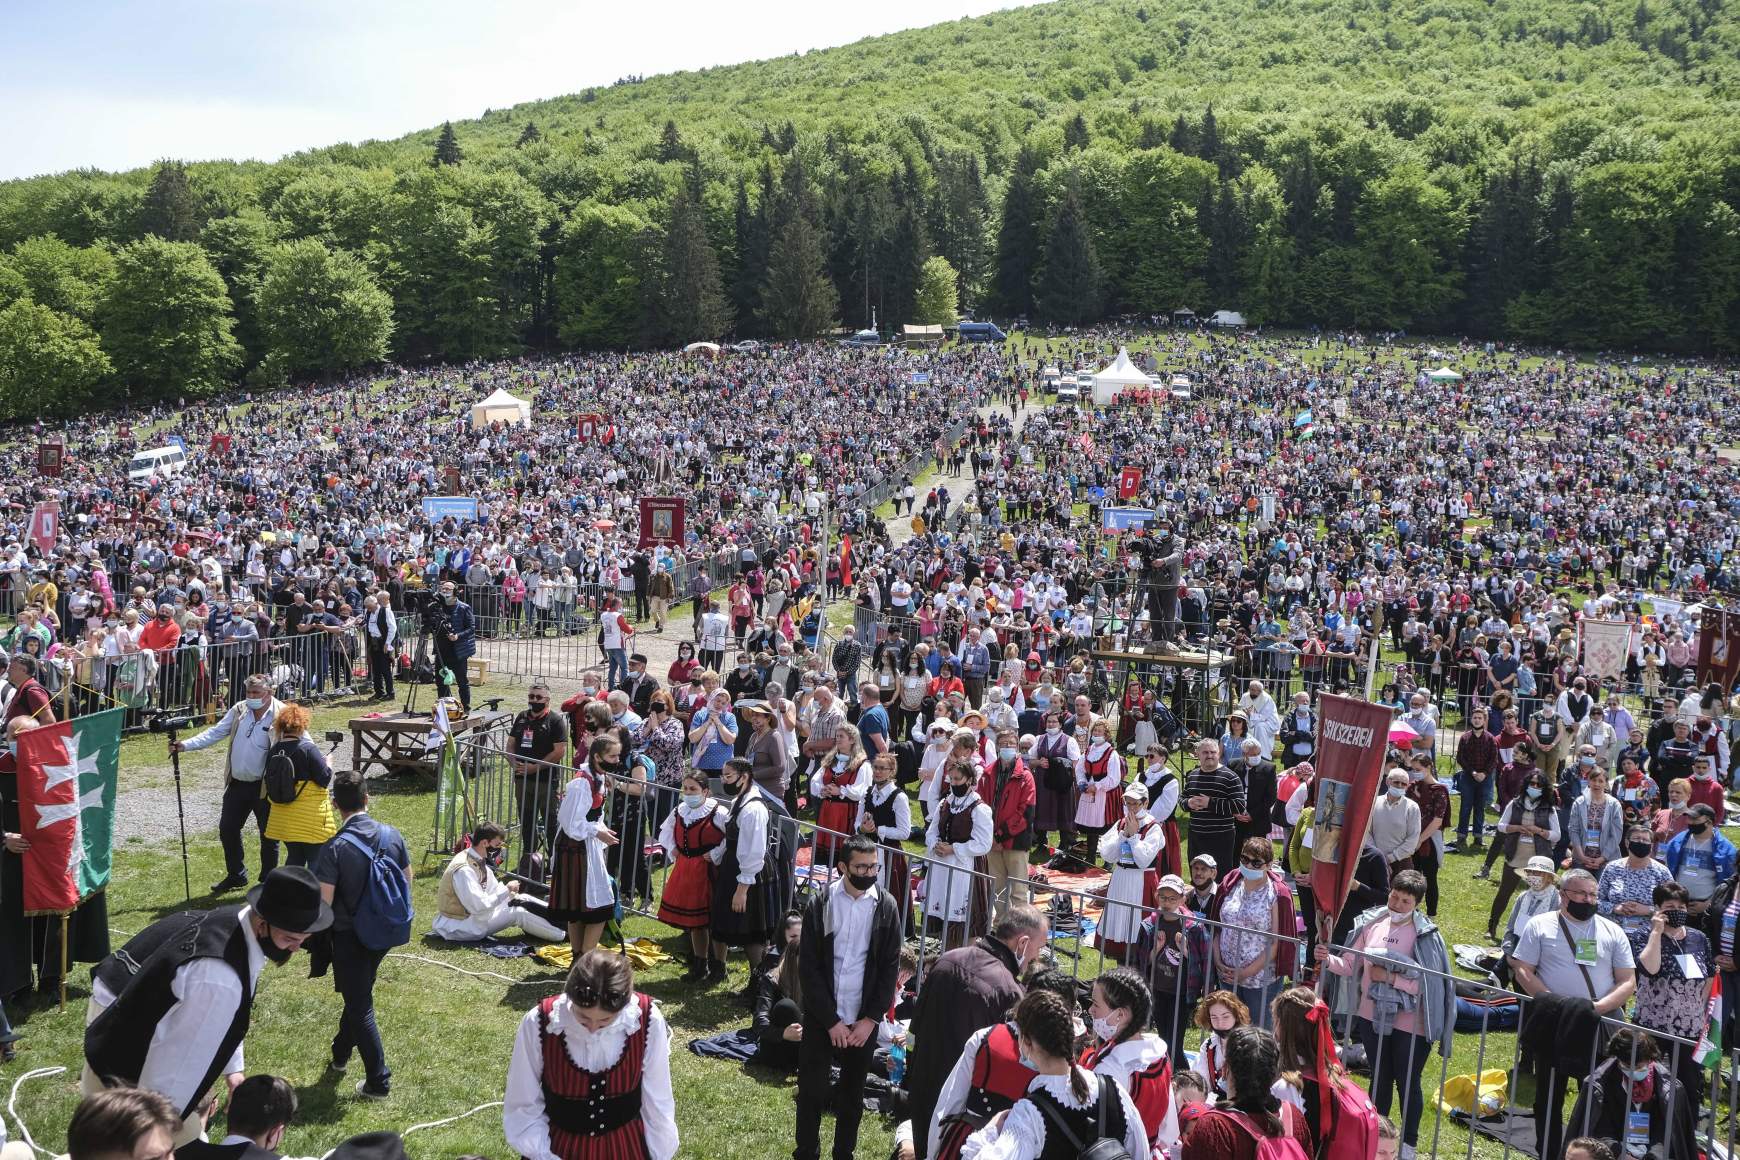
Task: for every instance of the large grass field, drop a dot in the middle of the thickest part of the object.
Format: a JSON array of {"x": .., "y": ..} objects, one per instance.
[{"x": 448, "y": 1034}]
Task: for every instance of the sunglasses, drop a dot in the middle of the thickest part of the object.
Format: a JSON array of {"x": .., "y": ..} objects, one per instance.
[{"x": 1253, "y": 863}]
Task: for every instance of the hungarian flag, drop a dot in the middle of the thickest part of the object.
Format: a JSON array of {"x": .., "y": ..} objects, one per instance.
[
  {"x": 66, "y": 805},
  {"x": 1129, "y": 481},
  {"x": 845, "y": 561},
  {"x": 1710, "y": 1046}
]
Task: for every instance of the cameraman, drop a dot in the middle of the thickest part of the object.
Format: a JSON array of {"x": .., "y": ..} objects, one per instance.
[
  {"x": 455, "y": 636},
  {"x": 248, "y": 725}
]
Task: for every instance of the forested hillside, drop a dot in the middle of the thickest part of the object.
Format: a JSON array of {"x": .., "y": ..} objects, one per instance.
[{"x": 1555, "y": 170}]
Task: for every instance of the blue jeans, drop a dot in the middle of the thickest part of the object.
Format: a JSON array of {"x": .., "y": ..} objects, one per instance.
[
  {"x": 1258, "y": 1000},
  {"x": 353, "y": 973},
  {"x": 1475, "y": 796},
  {"x": 618, "y": 666}
]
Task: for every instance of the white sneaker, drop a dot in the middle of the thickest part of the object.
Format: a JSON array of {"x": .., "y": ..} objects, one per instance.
[{"x": 1407, "y": 1152}]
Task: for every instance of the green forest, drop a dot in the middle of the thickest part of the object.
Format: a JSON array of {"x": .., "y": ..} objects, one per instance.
[{"x": 1550, "y": 171}]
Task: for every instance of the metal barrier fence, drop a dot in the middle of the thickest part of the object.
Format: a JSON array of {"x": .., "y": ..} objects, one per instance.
[{"x": 1395, "y": 1062}]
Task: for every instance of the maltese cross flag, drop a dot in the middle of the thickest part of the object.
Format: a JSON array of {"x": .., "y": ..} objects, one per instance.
[{"x": 66, "y": 805}]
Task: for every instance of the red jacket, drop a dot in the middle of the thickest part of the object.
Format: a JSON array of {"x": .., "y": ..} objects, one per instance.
[
  {"x": 1286, "y": 953},
  {"x": 1012, "y": 808}
]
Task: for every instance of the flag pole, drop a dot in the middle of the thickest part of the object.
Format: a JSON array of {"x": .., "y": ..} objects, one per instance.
[{"x": 65, "y": 922}]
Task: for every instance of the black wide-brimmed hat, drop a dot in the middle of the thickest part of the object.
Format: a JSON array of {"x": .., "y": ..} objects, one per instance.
[
  {"x": 371, "y": 1146},
  {"x": 289, "y": 899}
]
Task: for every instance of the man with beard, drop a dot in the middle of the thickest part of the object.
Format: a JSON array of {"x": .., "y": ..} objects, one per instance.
[{"x": 169, "y": 1010}]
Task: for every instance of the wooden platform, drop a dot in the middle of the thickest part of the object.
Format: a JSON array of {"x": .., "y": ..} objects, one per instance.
[
  {"x": 397, "y": 741},
  {"x": 1185, "y": 659}
]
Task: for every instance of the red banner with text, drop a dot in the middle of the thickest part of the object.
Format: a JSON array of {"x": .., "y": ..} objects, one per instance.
[{"x": 1352, "y": 739}]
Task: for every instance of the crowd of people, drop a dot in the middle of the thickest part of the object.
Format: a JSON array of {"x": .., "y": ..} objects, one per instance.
[{"x": 827, "y": 805}]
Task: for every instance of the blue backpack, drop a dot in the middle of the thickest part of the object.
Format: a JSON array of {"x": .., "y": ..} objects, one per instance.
[{"x": 383, "y": 914}]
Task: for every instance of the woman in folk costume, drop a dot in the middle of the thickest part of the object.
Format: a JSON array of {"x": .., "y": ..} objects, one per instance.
[
  {"x": 886, "y": 815},
  {"x": 581, "y": 893},
  {"x": 1098, "y": 775},
  {"x": 841, "y": 780},
  {"x": 1164, "y": 788},
  {"x": 1132, "y": 849},
  {"x": 1124, "y": 1050},
  {"x": 590, "y": 1075},
  {"x": 689, "y": 833},
  {"x": 958, "y": 889}
]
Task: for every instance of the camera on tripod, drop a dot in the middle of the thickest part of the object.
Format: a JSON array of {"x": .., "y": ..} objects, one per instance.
[{"x": 167, "y": 721}]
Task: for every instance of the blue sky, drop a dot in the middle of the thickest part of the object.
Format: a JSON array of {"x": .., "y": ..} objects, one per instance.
[{"x": 115, "y": 85}]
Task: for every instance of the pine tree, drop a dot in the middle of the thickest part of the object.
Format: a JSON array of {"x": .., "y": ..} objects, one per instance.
[
  {"x": 692, "y": 303},
  {"x": 1075, "y": 134},
  {"x": 1208, "y": 145},
  {"x": 529, "y": 135},
  {"x": 754, "y": 236},
  {"x": 797, "y": 298},
  {"x": 447, "y": 150},
  {"x": 671, "y": 143},
  {"x": 1152, "y": 137},
  {"x": 1018, "y": 239},
  {"x": 171, "y": 208},
  {"x": 1071, "y": 286},
  {"x": 1183, "y": 139}
]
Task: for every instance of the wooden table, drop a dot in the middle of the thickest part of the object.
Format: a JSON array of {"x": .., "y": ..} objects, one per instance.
[{"x": 398, "y": 742}]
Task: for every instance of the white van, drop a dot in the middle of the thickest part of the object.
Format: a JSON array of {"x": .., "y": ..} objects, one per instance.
[{"x": 157, "y": 463}]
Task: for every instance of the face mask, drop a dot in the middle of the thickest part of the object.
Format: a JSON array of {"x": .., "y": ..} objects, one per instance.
[
  {"x": 1400, "y": 916},
  {"x": 693, "y": 800},
  {"x": 1698, "y": 830},
  {"x": 1581, "y": 911},
  {"x": 1538, "y": 886},
  {"x": 1099, "y": 739},
  {"x": 1416, "y": 775},
  {"x": 1677, "y": 807},
  {"x": 1586, "y": 762},
  {"x": 1026, "y": 1062},
  {"x": 1106, "y": 1030},
  {"x": 731, "y": 787},
  {"x": 1053, "y": 731},
  {"x": 1534, "y": 792},
  {"x": 1639, "y": 849},
  {"x": 861, "y": 882},
  {"x": 270, "y": 948},
  {"x": 1674, "y": 918},
  {"x": 1251, "y": 873},
  {"x": 256, "y": 703},
  {"x": 494, "y": 857},
  {"x": 959, "y": 791},
  {"x": 1396, "y": 792},
  {"x": 1006, "y": 755},
  {"x": 1639, "y": 1075},
  {"x": 1702, "y": 775}
]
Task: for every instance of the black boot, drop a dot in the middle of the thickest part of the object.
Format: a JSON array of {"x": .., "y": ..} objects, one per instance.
[
  {"x": 697, "y": 970},
  {"x": 715, "y": 971}
]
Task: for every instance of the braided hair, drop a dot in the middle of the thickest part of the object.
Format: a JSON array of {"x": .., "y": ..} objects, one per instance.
[
  {"x": 1046, "y": 1023},
  {"x": 1253, "y": 1061},
  {"x": 1125, "y": 989}
]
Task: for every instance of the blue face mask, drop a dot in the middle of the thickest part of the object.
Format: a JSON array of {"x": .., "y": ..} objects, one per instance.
[
  {"x": 1251, "y": 873},
  {"x": 256, "y": 703},
  {"x": 693, "y": 800},
  {"x": 1006, "y": 754},
  {"x": 1027, "y": 1063},
  {"x": 1639, "y": 1075}
]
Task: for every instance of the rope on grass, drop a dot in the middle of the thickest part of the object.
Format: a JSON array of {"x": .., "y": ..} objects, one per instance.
[
  {"x": 508, "y": 979},
  {"x": 451, "y": 1119},
  {"x": 12, "y": 1106}
]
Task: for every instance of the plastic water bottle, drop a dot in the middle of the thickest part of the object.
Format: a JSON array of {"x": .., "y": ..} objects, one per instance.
[{"x": 897, "y": 1063}]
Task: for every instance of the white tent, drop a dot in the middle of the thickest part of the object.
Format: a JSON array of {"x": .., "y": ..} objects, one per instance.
[
  {"x": 500, "y": 407},
  {"x": 1112, "y": 381},
  {"x": 1443, "y": 375}
]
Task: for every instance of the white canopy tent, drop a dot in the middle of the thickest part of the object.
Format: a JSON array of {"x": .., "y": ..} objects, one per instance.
[
  {"x": 500, "y": 407},
  {"x": 1443, "y": 375},
  {"x": 1113, "y": 380}
]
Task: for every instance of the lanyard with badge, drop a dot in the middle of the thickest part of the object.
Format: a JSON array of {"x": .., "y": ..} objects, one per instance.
[{"x": 1585, "y": 952}]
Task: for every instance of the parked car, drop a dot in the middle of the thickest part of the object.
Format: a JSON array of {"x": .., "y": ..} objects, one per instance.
[
  {"x": 863, "y": 338},
  {"x": 747, "y": 346},
  {"x": 1067, "y": 391}
]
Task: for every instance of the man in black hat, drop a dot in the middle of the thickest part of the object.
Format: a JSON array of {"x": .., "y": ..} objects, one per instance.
[
  {"x": 169, "y": 1010},
  {"x": 640, "y": 685}
]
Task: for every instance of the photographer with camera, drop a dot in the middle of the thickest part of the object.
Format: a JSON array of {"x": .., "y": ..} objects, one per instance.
[
  {"x": 454, "y": 631},
  {"x": 248, "y": 725}
]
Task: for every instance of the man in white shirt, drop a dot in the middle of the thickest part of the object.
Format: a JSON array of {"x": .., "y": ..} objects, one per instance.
[
  {"x": 248, "y": 725},
  {"x": 1395, "y": 822},
  {"x": 849, "y": 964},
  {"x": 472, "y": 903},
  {"x": 169, "y": 1011}
]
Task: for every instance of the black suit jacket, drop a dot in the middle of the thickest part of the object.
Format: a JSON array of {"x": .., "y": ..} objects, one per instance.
[
  {"x": 816, "y": 968},
  {"x": 640, "y": 690},
  {"x": 204, "y": 1150}
]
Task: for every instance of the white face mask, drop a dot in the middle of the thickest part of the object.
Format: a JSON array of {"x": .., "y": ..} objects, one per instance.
[{"x": 1105, "y": 1029}]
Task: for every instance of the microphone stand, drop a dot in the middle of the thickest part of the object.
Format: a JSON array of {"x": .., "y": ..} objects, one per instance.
[{"x": 180, "y": 815}]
